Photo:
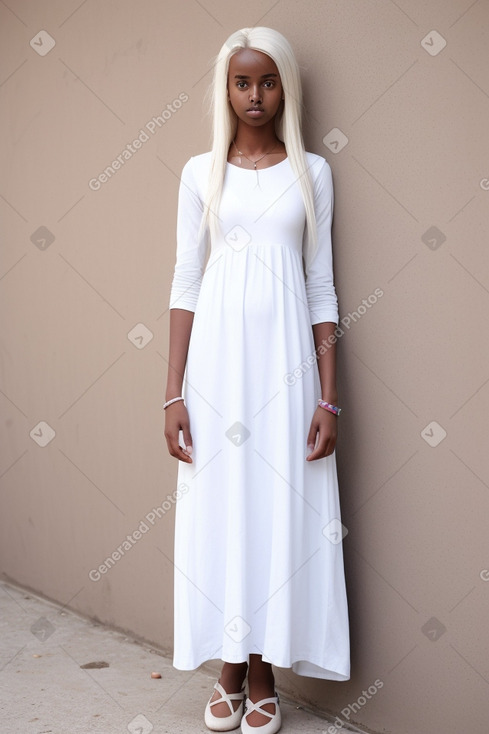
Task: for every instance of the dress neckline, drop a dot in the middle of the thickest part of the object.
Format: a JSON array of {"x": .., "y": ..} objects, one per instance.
[{"x": 253, "y": 170}]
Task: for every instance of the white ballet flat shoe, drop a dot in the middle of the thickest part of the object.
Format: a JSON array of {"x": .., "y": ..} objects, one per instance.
[
  {"x": 271, "y": 726},
  {"x": 224, "y": 723}
]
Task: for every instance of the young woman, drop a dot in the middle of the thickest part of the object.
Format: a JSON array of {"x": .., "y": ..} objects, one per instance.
[{"x": 251, "y": 396}]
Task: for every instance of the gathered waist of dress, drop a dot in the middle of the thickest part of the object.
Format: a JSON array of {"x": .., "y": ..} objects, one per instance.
[{"x": 239, "y": 241}]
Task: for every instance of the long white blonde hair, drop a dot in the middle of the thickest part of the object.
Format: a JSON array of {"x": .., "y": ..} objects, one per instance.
[{"x": 287, "y": 122}]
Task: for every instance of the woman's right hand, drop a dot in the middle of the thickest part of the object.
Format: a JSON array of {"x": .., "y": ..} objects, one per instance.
[{"x": 176, "y": 420}]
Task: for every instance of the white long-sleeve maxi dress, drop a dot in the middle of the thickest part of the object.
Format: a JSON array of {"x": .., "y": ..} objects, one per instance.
[{"x": 258, "y": 539}]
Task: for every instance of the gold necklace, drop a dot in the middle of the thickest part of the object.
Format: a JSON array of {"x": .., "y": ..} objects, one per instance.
[{"x": 240, "y": 153}]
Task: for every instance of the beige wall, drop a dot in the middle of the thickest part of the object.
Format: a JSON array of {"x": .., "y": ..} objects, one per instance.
[{"x": 416, "y": 159}]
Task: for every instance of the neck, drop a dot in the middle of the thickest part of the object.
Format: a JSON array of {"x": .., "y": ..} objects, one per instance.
[{"x": 256, "y": 140}]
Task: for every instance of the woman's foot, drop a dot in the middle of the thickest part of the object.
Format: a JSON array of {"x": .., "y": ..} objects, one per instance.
[
  {"x": 261, "y": 683},
  {"x": 231, "y": 679}
]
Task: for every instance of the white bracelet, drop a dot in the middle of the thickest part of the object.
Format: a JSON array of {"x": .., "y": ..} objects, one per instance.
[{"x": 169, "y": 402}]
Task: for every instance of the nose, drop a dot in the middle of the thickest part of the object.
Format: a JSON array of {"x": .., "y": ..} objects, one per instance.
[{"x": 255, "y": 95}]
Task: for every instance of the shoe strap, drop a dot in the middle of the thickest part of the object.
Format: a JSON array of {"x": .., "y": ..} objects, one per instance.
[
  {"x": 227, "y": 697},
  {"x": 250, "y": 706}
]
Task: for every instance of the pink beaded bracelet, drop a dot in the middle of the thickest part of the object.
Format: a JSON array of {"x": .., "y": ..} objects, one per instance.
[{"x": 327, "y": 406}]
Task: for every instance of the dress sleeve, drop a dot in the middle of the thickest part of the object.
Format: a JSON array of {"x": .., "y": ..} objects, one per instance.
[
  {"x": 320, "y": 290},
  {"x": 191, "y": 252}
]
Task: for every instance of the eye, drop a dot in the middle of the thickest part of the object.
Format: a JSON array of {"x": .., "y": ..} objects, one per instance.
[
  {"x": 241, "y": 82},
  {"x": 269, "y": 83}
]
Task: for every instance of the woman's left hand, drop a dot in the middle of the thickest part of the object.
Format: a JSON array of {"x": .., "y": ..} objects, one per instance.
[{"x": 324, "y": 428}]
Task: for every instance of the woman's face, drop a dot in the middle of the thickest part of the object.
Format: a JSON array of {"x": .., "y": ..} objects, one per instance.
[{"x": 254, "y": 87}]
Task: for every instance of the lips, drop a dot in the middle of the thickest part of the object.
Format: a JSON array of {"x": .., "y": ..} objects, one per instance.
[{"x": 255, "y": 111}]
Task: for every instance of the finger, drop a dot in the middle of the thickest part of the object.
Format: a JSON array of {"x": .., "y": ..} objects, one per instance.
[
  {"x": 181, "y": 454},
  {"x": 175, "y": 449},
  {"x": 187, "y": 439},
  {"x": 319, "y": 450},
  {"x": 318, "y": 453},
  {"x": 310, "y": 449},
  {"x": 311, "y": 438},
  {"x": 325, "y": 447}
]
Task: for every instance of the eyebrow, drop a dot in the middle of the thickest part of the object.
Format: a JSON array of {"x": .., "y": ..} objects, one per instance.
[{"x": 263, "y": 76}]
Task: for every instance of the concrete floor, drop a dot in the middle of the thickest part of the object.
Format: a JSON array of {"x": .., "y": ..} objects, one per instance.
[{"x": 44, "y": 689}]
